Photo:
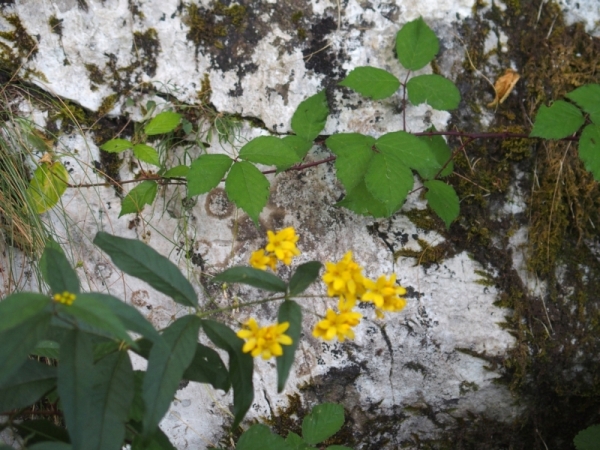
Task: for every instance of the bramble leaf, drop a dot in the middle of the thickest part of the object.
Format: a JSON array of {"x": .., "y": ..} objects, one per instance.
[
  {"x": 176, "y": 172},
  {"x": 589, "y": 149},
  {"x": 141, "y": 195},
  {"x": 443, "y": 200},
  {"x": 298, "y": 145},
  {"x": 270, "y": 151},
  {"x": 437, "y": 91},
  {"x": 389, "y": 180},
  {"x": 116, "y": 145},
  {"x": 558, "y": 121},
  {"x": 409, "y": 149},
  {"x": 438, "y": 146},
  {"x": 147, "y": 154},
  {"x": 361, "y": 201},
  {"x": 371, "y": 82},
  {"x": 248, "y": 188},
  {"x": 588, "y": 439},
  {"x": 416, "y": 44},
  {"x": 354, "y": 152},
  {"x": 587, "y": 97},
  {"x": 259, "y": 437},
  {"x": 310, "y": 116},
  {"x": 323, "y": 422},
  {"x": 206, "y": 173},
  {"x": 164, "y": 122},
  {"x": 49, "y": 182}
]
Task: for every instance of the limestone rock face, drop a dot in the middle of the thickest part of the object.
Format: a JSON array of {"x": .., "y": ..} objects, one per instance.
[{"x": 404, "y": 375}]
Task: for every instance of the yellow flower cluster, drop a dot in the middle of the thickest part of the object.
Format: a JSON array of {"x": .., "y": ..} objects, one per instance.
[
  {"x": 264, "y": 341},
  {"x": 66, "y": 298},
  {"x": 281, "y": 246},
  {"x": 346, "y": 281}
]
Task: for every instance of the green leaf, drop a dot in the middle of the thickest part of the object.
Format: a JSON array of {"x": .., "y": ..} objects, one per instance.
[
  {"x": 47, "y": 349},
  {"x": 587, "y": 97},
  {"x": 361, "y": 201},
  {"x": 409, "y": 150},
  {"x": 289, "y": 311},
  {"x": 20, "y": 307},
  {"x": 164, "y": 122},
  {"x": 338, "y": 447},
  {"x": 111, "y": 399},
  {"x": 442, "y": 153},
  {"x": 136, "y": 412},
  {"x": 304, "y": 276},
  {"x": 371, "y": 82},
  {"x": 435, "y": 90},
  {"x": 57, "y": 271},
  {"x": 206, "y": 173},
  {"x": 588, "y": 439},
  {"x": 166, "y": 365},
  {"x": 207, "y": 367},
  {"x": 298, "y": 145},
  {"x": 253, "y": 277},
  {"x": 116, "y": 145},
  {"x": 241, "y": 366},
  {"x": 34, "y": 431},
  {"x": 141, "y": 261},
  {"x": 323, "y": 422},
  {"x": 310, "y": 116},
  {"x": 49, "y": 182},
  {"x": 18, "y": 341},
  {"x": 180, "y": 171},
  {"x": 75, "y": 380},
  {"x": 443, "y": 200},
  {"x": 270, "y": 151},
  {"x": 156, "y": 441},
  {"x": 50, "y": 446},
  {"x": 141, "y": 195},
  {"x": 90, "y": 309},
  {"x": 295, "y": 442},
  {"x": 259, "y": 437},
  {"x": 354, "y": 152},
  {"x": 27, "y": 385},
  {"x": 558, "y": 121},
  {"x": 389, "y": 180},
  {"x": 248, "y": 188},
  {"x": 589, "y": 149},
  {"x": 416, "y": 44},
  {"x": 147, "y": 154}
]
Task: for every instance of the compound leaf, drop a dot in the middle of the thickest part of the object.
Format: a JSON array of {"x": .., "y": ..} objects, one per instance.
[
  {"x": 416, "y": 44},
  {"x": 164, "y": 122},
  {"x": 141, "y": 195},
  {"x": 248, "y": 188},
  {"x": 270, "y": 151},
  {"x": 116, "y": 145},
  {"x": 443, "y": 200},
  {"x": 361, "y": 201},
  {"x": 440, "y": 149},
  {"x": 298, "y": 145},
  {"x": 589, "y": 149},
  {"x": 147, "y": 154},
  {"x": 353, "y": 151},
  {"x": 587, "y": 97},
  {"x": 409, "y": 149},
  {"x": 310, "y": 116},
  {"x": 389, "y": 180},
  {"x": 437, "y": 91},
  {"x": 558, "y": 121},
  {"x": 371, "y": 82},
  {"x": 206, "y": 173}
]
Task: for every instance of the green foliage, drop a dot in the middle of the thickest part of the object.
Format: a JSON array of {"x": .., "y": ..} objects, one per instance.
[
  {"x": 587, "y": 97},
  {"x": 147, "y": 154},
  {"x": 435, "y": 90},
  {"x": 416, "y": 44},
  {"x": 206, "y": 173},
  {"x": 141, "y": 195},
  {"x": 270, "y": 151},
  {"x": 589, "y": 149},
  {"x": 322, "y": 422},
  {"x": 289, "y": 311},
  {"x": 252, "y": 277},
  {"x": 48, "y": 184},
  {"x": 371, "y": 82},
  {"x": 558, "y": 121},
  {"x": 588, "y": 439},
  {"x": 443, "y": 200},
  {"x": 248, "y": 188},
  {"x": 165, "y": 122},
  {"x": 310, "y": 117}
]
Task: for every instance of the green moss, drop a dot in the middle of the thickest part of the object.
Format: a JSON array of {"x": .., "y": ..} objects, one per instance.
[
  {"x": 108, "y": 103},
  {"x": 95, "y": 75},
  {"x": 147, "y": 46},
  {"x": 55, "y": 25},
  {"x": 25, "y": 45},
  {"x": 427, "y": 255},
  {"x": 207, "y": 27},
  {"x": 486, "y": 279},
  {"x": 296, "y": 17}
]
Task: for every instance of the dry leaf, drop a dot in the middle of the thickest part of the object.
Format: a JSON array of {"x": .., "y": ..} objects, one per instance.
[
  {"x": 47, "y": 158},
  {"x": 504, "y": 85}
]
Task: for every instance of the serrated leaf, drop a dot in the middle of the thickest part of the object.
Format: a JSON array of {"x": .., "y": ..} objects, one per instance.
[
  {"x": 75, "y": 375},
  {"x": 110, "y": 401},
  {"x": 435, "y": 90},
  {"x": 589, "y": 149},
  {"x": 303, "y": 277},
  {"x": 166, "y": 365},
  {"x": 438, "y": 146},
  {"x": 116, "y": 145},
  {"x": 241, "y": 366},
  {"x": 206, "y": 173},
  {"x": 323, "y": 422},
  {"x": 270, "y": 151},
  {"x": 371, "y": 82},
  {"x": 416, "y": 44},
  {"x": 588, "y": 439},
  {"x": 164, "y": 122},
  {"x": 389, "y": 181},
  {"x": 248, "y": 188},
  {"x": 361, "y": 201},
  {"x": 298, "y": 145},
  {"x": 207, "y": 367},
  {"x": 141, "y": 195},
  {"x": 558, "y": 121},
  {"x": 27, "y": 385},
  {"x": 48, "y": 184},
  {"x": 310, "y": 116},
  {"x": 587, "y": 97},
  {"x": 57, "y": 270},
  {"x": 141, "y": 261},
  {"x": 354, "y": 152},
  {"x": 289, "y": 311},
  {"x": 253, "y": 277},
  {"x": 147, "y": 154},
  {"x": 259, "y": 437},
  {"x": 176, "y": 172},
  {"x": 409, "y": 150},
  {"x": 443, "y": 200}
]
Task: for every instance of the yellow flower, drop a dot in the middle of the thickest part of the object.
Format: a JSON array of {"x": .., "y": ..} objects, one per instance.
[
  {"x": 261, "y": 260},
  {"x": 337, "y": 325},
  {"x": 66, "y": 298},
  {"x": 344, "y": 280},
  {"x": 264, "y": 341},
  {"x": 385, "y": 294},
  {"x": 283, "y": 244}
]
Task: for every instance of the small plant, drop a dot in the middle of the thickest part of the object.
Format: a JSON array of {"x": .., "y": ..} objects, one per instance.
[{"x": 588, "y": 439}]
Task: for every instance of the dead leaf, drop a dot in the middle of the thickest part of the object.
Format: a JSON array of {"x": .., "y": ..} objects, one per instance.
[{"x": 504, "y": 86}]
